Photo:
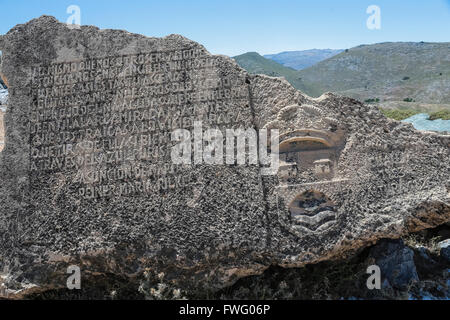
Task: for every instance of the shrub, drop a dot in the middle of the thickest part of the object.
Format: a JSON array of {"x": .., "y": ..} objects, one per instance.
[
  {"x": 441, "y": 114},
  {"x": 372, "y": 100},
  {"x": 398, "y": 114}
]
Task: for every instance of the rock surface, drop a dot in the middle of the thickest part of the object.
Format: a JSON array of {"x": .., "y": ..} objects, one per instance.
[
  {"x": 396, "y": 263},
  {"x": 87, "y": 177},
  {"x": 426, "y": 277},
  {"x": 445, "y": 249}
]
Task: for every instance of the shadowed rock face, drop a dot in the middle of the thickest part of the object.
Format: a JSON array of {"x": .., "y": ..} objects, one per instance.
[{"x": 88, "y": 180}]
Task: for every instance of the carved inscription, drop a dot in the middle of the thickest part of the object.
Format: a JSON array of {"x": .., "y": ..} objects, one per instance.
[{"x": 106, "y": 123}]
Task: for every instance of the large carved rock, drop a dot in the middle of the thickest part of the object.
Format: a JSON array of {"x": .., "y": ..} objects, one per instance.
[{"x": 87, "y": 176}]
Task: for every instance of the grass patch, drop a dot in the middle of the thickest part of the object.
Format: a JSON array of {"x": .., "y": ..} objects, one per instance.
[
  {"x": 417, "y": 240},
  {"x": 399, "y": 114},
  {"x": 442, "y": 114}
]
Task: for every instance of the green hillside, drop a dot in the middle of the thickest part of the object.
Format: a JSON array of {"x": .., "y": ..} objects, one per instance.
[
  {"x": 418, "y": 72},
  {"x": 400, "y": 76}
]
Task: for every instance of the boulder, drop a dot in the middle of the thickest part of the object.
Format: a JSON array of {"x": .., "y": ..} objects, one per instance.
[
  {"x": 396, "y": 262},
  {"x": 89, "y": 177}
]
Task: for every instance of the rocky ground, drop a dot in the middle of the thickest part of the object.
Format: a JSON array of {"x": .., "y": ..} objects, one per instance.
[{"x": 416, "y": 267}]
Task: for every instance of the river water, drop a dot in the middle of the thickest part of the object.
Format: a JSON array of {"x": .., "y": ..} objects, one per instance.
[{"x": 421, "y": 122}]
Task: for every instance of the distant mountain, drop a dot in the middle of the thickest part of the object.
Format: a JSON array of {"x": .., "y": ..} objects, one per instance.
[
  {"x": 400, "y": 71},
  {"x": 402, "y": 75},
  {"x": 257, "y": 64},
  {"x": 300, "y": 60}
]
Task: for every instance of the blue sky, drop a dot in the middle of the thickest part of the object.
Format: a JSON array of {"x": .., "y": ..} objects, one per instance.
[{"x": 233, "y": 27}]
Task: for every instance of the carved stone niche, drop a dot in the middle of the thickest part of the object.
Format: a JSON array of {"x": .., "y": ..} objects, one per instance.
[{"x": 309, "y": 154}]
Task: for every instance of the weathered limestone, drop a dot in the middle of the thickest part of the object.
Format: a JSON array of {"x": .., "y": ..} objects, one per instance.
[{"x": 88, "y": 178}]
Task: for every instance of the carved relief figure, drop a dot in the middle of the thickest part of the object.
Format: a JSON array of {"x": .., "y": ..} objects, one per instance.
[
  {"x": 309, "y": 150},
  {"x": 312, "y": 210}
]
